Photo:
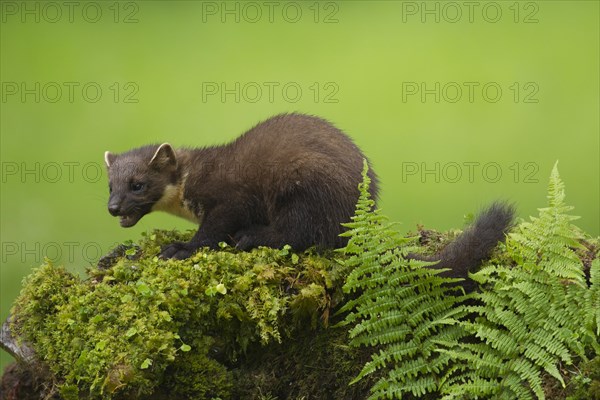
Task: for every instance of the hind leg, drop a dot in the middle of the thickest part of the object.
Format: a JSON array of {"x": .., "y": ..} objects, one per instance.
[
  {"x": 258, "y": 235},
  {"x": 298, "y": 223},
  {"x": 275, "y": 236}
]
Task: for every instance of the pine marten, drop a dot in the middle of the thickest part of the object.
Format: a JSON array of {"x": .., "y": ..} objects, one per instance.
[{"x": 292, "y": 179}]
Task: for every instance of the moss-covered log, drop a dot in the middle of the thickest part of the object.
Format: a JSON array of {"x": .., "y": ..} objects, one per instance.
[{"x": 222, "y": 324}]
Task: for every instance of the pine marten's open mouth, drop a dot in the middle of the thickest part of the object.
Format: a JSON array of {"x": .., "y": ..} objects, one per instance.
[{"x": 127, "y": 221}]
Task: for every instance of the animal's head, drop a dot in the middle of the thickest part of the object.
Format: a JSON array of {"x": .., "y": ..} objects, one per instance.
[{"x": 138, "y": 179}]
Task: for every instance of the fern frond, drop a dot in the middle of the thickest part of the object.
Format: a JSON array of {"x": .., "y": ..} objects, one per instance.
[
  {"x": 406, "y": 309},
  {"x": 530, "y": 316},
  {"x": 592, "y": 299}
]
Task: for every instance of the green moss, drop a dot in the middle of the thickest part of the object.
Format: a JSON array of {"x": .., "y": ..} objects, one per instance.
[
  {"x": 123, "y": 329},
  {"x": 585, "y": 385},
  {"x": 196, "y": 376}
]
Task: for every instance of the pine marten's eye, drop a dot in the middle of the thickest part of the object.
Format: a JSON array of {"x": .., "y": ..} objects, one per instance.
[{"x": 137, "y": 186}]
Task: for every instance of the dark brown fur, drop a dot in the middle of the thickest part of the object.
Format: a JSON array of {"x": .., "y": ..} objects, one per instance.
[
  {"x": 291, "y": 179},
  {"x": 474, "y": 244}
]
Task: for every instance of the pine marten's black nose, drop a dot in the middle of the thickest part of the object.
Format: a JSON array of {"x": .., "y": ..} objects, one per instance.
[{"x": 113, "y": 209}]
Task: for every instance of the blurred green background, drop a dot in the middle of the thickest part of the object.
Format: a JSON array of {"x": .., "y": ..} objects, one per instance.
[{"x": 456, "y": 105}]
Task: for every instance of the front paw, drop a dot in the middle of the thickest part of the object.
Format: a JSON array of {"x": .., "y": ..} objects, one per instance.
[{"x": 178, "y": 251}]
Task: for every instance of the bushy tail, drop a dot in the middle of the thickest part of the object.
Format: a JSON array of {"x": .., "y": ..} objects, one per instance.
[{"x": 475, "y": 244}]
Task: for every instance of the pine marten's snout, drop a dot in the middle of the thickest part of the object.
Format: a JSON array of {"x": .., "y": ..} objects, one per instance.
[
  {"x": 128, "y": 215},
  {"x": 114, "y": 209}
]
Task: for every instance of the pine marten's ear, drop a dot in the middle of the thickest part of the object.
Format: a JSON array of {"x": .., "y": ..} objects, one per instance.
[
  {"x": 109, "y": 158},
  {"x": 164, "y": 157}
]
